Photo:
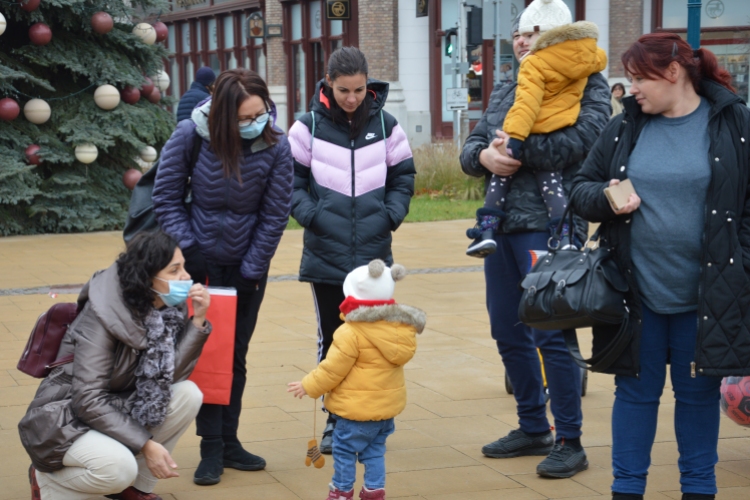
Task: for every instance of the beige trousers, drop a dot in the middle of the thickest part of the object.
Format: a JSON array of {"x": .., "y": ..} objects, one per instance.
[{"x": 96, "y": 464}]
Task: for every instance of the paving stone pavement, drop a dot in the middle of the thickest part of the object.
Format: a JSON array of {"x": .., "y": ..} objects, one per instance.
[{"x": 457, "y": 399}]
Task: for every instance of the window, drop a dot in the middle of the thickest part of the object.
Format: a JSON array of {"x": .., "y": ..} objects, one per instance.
[
  {"x": 230, "y": 60},
  {"x": 213, "y": 46},
  {"x": 714, "y": 13}
]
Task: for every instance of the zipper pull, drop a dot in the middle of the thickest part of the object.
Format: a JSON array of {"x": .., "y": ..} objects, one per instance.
[{"x": 692, "y": 369}]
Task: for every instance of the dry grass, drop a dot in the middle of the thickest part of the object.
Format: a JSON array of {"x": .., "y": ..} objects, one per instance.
[{"x": 439, "y": 173}]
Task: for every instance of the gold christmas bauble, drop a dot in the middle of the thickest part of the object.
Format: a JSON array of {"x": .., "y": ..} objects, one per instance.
[
  {"x": 145, "y": 32},
  {"x": 148, "y": 154},
  {"x": 86, "y": 153},
  {"x": 37, "y": 111},
  {"x": 107, "y": 97}
]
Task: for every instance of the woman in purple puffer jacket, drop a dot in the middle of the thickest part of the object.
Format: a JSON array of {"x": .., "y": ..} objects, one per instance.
[{"x": 242, "y": 193}]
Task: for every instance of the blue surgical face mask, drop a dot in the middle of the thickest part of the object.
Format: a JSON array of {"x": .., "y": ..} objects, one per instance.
[
  {"x": 178, "y": 291},
  {"x": 254, "y": 128}
]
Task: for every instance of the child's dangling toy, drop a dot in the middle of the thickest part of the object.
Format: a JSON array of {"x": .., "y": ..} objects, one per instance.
[{"x": 313, "y": 452}]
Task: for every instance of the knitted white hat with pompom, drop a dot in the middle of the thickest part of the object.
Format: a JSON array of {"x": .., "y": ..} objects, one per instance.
[
  {"x": 543, "y": 15},
  {"x": 374, "y": 281}
]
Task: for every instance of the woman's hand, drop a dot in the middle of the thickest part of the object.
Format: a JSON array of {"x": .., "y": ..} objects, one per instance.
[
  {"x": 201, "y": 300},
  {"x": 296, "y": 389},
  {"x": 158, "y": 460},
  {"x": 634, "y": 201},
  {"x": 496, "y": 159}
]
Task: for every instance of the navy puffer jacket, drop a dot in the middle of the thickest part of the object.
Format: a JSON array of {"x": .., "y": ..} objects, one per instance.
[
  {"x": 197, "y": 93},
  {"x": 349, "y": 195},
  {"x": 232, "y": 222}
]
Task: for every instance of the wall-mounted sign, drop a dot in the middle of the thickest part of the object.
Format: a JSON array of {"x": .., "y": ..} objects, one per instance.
[
  {"x": 714, "y": 8},
  {"x": 256, "y": 25},
  {"x": 338, "y": 10},
  {"x": 421, "y": 8},
  {"x": 273, "y": 30}
]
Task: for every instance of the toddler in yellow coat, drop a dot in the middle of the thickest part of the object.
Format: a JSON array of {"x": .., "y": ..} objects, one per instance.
[
  {"x": 363, "y": 376},
  {"x": 551, "y": 81}
]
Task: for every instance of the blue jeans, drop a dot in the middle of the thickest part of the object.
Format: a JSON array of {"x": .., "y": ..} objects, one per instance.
[
  {"x": 666, "y": 338},
  {"x": 517, "y": 343},
  {"x": 363, "y": 441}
]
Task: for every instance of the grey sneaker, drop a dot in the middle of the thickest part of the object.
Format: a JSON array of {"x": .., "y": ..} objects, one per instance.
[
  {"x": 563, "y": 461},
  {"x": 517, "y": 443},
  {"x": 326, "y": 444}
]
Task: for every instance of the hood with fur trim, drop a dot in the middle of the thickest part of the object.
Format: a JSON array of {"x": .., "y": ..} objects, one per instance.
[
  {"x": 396, "y": 343},
  {"x": 571, "y": 50}
]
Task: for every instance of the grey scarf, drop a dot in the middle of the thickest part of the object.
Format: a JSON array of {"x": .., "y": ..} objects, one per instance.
[{"x": 155, "y": 370}]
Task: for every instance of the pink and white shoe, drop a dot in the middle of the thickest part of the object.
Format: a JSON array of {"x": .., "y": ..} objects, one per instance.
[
  {"x": 366, "y": 494},
  {"x": 337, "y": 494}
]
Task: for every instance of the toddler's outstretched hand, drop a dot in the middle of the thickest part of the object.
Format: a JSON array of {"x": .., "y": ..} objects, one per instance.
[{"x": 296, "y": 389}]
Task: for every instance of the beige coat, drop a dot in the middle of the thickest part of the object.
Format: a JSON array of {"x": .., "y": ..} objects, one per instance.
[{"x": 96, "y": 390}]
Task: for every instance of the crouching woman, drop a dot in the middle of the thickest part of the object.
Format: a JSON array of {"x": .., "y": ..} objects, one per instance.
[{"x": 106, "y": 423}]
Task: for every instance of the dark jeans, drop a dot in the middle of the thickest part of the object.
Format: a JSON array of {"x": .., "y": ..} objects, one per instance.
[
  {"x": 666, "y": 338},
  {"x": 221, "y": 420},
  {"x": 327, "y": 299},
  {"x": 517, "y": 343}
]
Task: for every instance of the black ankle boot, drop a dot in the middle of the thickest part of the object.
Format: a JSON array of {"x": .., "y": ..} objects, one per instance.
[
  {"x": 236, "y": 457},
  {"x": 626, "y": 496},
  {"x": 697, "y": 496},
  {"x": 211, "y": 468}
]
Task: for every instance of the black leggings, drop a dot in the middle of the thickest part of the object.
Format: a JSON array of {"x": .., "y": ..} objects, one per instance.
[{"x": 550, "y": 186}]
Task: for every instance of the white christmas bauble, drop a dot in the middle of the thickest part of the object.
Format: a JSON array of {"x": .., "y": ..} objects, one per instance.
[
  {"x": 3, "y": 24},
  {"x": 148, "y": 154},
  {"x": 37, "y": 111},
  {"x": 161, "y": 80},
  {"x": 86, "y": 153},
  {"x": 107, "y": 97},
  {"x": 145, "y": 32}
]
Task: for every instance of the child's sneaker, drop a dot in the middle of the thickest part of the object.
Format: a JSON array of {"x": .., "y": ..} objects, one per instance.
[
  {"x": 337, "y": 494},
  {"x": 488, "y": 222},
  {"x": 366, "y": 494}
]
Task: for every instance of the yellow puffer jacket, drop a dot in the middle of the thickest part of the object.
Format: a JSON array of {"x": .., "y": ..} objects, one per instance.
[
  {"x": 363, "y": 373},
  {"x": 552, "y": 78}
]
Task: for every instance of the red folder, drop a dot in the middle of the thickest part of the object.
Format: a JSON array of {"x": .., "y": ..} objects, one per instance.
[{"x": 213, "y": 373}]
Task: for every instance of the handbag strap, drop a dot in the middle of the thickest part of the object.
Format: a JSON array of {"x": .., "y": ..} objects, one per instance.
[{"x": 608, "y": 356}]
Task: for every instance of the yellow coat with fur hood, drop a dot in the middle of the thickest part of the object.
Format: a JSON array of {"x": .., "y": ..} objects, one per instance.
[
  {"x": 552, "y": 78},
  {"x": 363, "y": 373}
]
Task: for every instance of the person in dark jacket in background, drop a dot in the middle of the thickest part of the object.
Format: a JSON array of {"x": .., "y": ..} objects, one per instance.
[
  {"x": 683, "y": 243},
  {"x": 526, "y": 228},
  {"x": 199, "y": 91},
  {"x": 106, "y": 423},
  {"x": 242, "y": 194},
  {"x": 353, "y": 181}
]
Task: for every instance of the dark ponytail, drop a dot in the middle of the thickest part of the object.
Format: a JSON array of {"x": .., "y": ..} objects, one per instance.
[
  {"x": 348, "y": 61},
  {"x": 652, "y": 54}
]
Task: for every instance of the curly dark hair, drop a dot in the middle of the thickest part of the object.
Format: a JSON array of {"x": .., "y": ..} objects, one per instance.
[{"x": 146, "y": 255}]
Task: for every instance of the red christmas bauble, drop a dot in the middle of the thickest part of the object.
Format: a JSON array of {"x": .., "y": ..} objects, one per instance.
[
  {"x": 130, "y": 95},
  {"x": 162, "y": 32},
  {"x": 131, "y": 177},
  {"x": 29, "y": 5},
  {"x": 147, "y": 87},
  {"x": 154, "y": 96},
  {"x": 31, "y": 155},
  {"x": 9, "y": 109},
  {"x": 40, "y": 34},
  {"x": 102, "y": 23}
]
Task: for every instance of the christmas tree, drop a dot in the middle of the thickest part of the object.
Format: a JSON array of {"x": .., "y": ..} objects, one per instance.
[{"x": 62, "y": 52}]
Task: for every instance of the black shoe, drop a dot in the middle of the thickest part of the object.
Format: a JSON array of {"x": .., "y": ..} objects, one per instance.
[
  {"x": 326, "y": 444},
  {"x": 563, "y": 461},
  {"x": 626, "y": 496},
  {"x": 697, "y": 496},
  {"x": 483, "y": 246},
  {"x": 236, "y": 457},
  {"x": 517, "y": 443},
  {"x": 211, "y": 468}
]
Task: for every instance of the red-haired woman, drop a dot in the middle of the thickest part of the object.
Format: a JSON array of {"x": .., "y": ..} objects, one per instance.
[{"x": 683, "y": 242}]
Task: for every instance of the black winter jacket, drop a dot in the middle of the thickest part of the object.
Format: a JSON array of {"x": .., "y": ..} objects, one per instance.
[
  {"x": 190, "y": 99},
  {"x": 723, "y": 342},
  {"x": 563, "y": 150},
  {"x": 348, "y": 194}
]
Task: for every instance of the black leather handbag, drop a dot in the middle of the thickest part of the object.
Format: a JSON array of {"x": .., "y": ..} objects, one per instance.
[{"x": 570, "y": 288}]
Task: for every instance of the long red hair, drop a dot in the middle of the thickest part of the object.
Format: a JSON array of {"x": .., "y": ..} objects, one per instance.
[{"x": 652, "y": 54}]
